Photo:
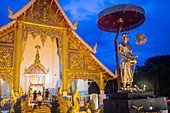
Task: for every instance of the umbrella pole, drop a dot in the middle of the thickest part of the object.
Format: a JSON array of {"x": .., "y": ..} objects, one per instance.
[{"x": 117, "y": 62}]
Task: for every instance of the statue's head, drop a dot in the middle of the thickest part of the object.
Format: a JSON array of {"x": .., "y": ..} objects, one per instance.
[{"x": 125, "y": 37}]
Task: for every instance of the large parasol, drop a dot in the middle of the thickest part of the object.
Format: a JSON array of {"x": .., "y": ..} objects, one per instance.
[{"x": 120, "y": 18}]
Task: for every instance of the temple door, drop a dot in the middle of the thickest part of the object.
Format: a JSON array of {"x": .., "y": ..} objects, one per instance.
[{"x": 37, "y": 83}]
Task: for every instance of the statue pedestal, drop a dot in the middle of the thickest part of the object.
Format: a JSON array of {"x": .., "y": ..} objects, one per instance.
[{"x": 125, "y": 102}]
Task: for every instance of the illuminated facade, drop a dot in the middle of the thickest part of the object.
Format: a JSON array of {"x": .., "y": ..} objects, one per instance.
[{"x": 60, "y": 53}]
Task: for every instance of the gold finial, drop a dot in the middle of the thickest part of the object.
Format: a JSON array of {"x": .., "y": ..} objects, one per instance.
[
  {"x": 75, "y": 25},
  {"x": 95, "y": 48},
  {"x": 37, "y": 56},
  {"x": 10, "y": 13}
]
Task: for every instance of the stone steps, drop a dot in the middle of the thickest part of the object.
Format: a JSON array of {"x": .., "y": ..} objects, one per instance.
[{"x": 42, "y": 109}]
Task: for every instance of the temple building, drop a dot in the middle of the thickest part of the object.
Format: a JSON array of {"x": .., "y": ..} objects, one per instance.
[{"x": 39, "y": 49}]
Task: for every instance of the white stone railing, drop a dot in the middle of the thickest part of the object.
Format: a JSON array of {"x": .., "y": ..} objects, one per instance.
[
  {"x": 97, "y": 98},
  {"x": 82, "y": 99}
]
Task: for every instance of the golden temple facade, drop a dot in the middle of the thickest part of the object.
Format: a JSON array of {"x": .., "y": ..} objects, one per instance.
[{"x": 46, "y": 20}]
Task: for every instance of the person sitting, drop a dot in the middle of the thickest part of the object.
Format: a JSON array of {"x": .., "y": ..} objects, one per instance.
[{"x": 39, "y": 100}]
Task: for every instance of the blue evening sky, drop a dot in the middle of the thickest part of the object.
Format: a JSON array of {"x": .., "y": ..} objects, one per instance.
[{"x": 156, "y": 26}]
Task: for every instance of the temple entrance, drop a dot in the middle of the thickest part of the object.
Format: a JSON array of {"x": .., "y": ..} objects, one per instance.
[
  {"x": 36, "y": 74},
  {"x": 37, "y": 83},
  {"x": 93, "y": 88}
]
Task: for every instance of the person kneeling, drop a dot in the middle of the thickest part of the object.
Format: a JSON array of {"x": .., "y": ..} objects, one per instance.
[{"x": 39, "y": 100}]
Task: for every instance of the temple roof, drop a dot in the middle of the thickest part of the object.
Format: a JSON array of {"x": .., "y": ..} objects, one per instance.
[
  {"x": 103, "y": 66},
  {"x": 28, "y": 6},
  {"x": 30, "y": 3},
  {"x": 7, "y": 25}
]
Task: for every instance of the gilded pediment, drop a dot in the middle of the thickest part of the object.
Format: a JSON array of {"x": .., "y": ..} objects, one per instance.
[
  {"x": 42, "y": 13},
  {"x": 73, "y": 46},
  {"x": 91, "y": 67},
  {"x": 36, "y": 68},
  {"x": 7, "y": 38}
]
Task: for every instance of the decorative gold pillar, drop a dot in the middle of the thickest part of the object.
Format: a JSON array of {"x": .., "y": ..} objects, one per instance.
[
  {"x": 101, "y": 82},
  {"x": 0, "y": 87},
  {"x": 18, "y": 47},
  {"x": 102, "y": 95},
  {"x": 64, "y": 63}
]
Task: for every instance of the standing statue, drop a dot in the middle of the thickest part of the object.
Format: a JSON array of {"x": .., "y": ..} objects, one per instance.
[{"x": 127, "y": 60}]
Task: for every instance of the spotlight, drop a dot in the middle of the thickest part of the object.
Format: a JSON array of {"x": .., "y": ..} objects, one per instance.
[{"x": 150, "y": 108}]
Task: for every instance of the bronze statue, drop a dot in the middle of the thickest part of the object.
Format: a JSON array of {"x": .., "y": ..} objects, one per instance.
[{"x": 127, "y": 60}]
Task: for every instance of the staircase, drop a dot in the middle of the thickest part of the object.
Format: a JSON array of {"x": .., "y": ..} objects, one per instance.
[{"x": 44, "y": 109}]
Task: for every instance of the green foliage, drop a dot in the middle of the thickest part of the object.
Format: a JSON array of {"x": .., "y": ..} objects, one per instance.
[
  {"x": 17, "y": 106},
  {"x": 55, "y": 105},
  {"x": 155, "y": 74}
]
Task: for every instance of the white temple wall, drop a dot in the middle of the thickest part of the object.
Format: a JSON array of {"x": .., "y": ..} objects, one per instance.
[
  {"x": 48, "y": 58},
  {"x": 83, "y": 87}
]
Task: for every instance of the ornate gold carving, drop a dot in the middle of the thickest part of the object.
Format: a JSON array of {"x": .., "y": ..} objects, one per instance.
[
  {"x": 44, "y": 18},
  {"x": 18, "y": 56},
  {"x": 73, "y": 46},
  {"x": 42, "y": 31},
  {"x": 77, "y": 61},
  {"x": 78, "y": 42},
  {"x": 91, "y": 67},
  {"x": 42, "y": 13},
  {"x": 72, "y": 75},
  {"x": 6, "y": 56},
  {"x": 101, "y": 82},
  {"x": 8, "y": 38},
  {"x": 37, "y": 56},
  {"x": 64, "y": 61},
  {"x": 83, "y": 47},
  {"x": 7, "y": 75}
]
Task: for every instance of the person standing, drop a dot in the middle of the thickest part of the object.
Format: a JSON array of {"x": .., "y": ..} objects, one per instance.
[
  {"x": 46, "y": 96},
  {"x": 35, "y": 95},
  {"x": 39, "y": 92}
]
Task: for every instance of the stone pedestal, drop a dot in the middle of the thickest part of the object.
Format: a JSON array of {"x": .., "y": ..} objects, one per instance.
[{"x": 125, "y": 102}]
